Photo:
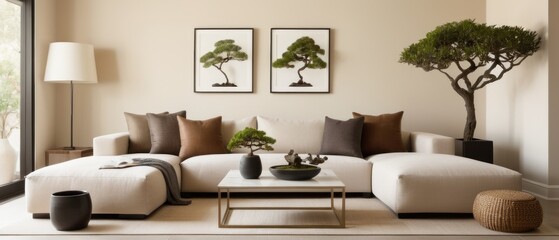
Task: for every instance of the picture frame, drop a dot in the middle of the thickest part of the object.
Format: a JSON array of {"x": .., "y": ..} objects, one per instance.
[
  {"x": 223, "y": 60},
  {"x": 289, "y": 75}
]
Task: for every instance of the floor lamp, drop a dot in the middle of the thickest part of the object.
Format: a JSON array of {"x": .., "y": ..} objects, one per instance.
[{"x": 70, "y": 62}]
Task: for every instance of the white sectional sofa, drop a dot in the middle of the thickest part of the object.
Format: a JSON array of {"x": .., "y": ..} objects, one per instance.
[{"x": 425, "y": 179}]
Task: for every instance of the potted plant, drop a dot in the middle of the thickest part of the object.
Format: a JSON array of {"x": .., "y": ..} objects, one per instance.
[
  {"x": 250, "y": 165},
  {"x": 295, "y": 170},
  {"x": 481, "y": 55},
  {"x": 9, "y": 119}
]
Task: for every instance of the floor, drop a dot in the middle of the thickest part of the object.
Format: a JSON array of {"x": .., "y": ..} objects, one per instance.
[{"x": 551, "y": 217}]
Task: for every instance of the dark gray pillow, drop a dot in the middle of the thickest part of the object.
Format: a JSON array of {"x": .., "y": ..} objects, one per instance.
[
  {"x": 164, "y": 132},
  {"x": 138, "y": 130},
  {"x": 342, "y": 137}
]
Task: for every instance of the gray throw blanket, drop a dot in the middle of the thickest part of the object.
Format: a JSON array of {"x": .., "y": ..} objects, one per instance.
[{"x": 173, "y": 192}]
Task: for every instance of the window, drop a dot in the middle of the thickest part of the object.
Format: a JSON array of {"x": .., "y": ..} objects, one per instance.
[{"x": 16, "y": 95}]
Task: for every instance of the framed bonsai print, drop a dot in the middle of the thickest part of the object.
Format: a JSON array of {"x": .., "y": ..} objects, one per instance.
[
  {"x": 223, "y": 60},
  {"x": 300, "y": 60}
]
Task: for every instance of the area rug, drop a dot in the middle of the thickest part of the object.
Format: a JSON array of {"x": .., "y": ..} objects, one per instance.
[{"x": 364, "y": 216}]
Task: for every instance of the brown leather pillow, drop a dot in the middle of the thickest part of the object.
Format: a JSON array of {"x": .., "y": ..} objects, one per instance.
[
  {"x": 138, "y": 130},
  {"x": 382, "y": 133},
  {"x": 200, "y": 137},
  {"x": 164, "y": 132},
  {"x": 342, "y": 137}
]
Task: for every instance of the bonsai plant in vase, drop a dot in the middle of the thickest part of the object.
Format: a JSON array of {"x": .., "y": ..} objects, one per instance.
[
  {"x": 295, "y": 169},
  {"x": 250, "y": 165},
  {"x": 481, "y": 55}
]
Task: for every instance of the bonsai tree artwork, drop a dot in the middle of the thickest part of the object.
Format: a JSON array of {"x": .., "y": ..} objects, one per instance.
[
  {"x": 303, "y": 50},
  {"x": 225, "y": 50},
  {"x": 252, "y": 139},
  {"x": 480, "y": 55}
]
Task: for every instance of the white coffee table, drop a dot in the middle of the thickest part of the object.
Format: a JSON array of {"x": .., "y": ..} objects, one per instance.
[{"x": 326, "y": 180}]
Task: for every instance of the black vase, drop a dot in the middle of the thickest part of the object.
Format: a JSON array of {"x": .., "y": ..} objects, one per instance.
[
  {"x": 478, "y": 149},
  {"x": 70, "y": 210},
  {"x": 250, "y": 166}
]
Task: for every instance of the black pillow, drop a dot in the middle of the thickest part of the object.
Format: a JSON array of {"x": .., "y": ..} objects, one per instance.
[{"x": 342, "y": 137}]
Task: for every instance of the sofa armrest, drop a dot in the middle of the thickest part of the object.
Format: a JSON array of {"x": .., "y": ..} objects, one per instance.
[
  {"x": 111, "y": 144},
  {"x": 431, "y": 143}
]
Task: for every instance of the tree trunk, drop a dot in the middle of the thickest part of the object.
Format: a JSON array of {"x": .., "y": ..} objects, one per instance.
[
  {"x": 226, "y": 78},
  {"x": 471, "y": 121}
]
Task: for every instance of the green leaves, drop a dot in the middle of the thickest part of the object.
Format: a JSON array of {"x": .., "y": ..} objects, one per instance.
[
  {"x": 467, "y": 40},
  {"x": 225, "y": 50},
  {"x": 252, "y": 139},
  {"x": 303, "y": 49}
]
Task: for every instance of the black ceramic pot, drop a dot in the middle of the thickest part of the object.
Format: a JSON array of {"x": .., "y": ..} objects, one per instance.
[
  {"x": 250, "y": 166},
  {"x": 70, "y": 210},
  {"x": 294, "y": 174}
]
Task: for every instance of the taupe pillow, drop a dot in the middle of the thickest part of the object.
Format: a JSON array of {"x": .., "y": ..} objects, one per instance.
[
  {"x": 138, "y": 129},
  {"x": 164, "y": 132},
  {"x": 382, "y": 134},
  {"x": 342, "y": 137},
  {"x": 200, "y": 137}
]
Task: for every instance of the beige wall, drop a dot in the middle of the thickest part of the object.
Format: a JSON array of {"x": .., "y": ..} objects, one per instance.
[
  {"x": 45, "y": 105},
  {"x": 144, "y": 52},
  {"x": 519, "y": 108}
]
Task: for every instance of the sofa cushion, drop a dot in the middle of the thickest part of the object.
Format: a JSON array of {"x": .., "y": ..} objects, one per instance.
[
  {"x": 382, "y": 133},
  {"x": 435, "y": 183},
  {"x": 135, "y": 190},
  {"x": 200, "y": 137},
  {"x": 302, "y": 136},
  {"x": 164, "y": 132},
  {"x": 342, "y": 137},
  {"x": 139, "y": 139},
  {"x": 230, "y": 127},
  {"x": 203, "y": 173}
]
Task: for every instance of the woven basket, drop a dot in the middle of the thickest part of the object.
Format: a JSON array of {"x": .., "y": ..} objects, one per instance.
[{"x": 508, "y": 211}]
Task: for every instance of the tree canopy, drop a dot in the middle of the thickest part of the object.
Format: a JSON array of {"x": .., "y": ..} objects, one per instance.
[
  {"x": 225, "y": 50},
  {"x": 470, "y": 46},
  {"x": 252, "y": 139},
  {"x": 303, "y": 50}
]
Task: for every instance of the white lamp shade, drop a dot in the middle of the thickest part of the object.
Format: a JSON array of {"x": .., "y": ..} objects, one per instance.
[{"x": 68, "y": 61}]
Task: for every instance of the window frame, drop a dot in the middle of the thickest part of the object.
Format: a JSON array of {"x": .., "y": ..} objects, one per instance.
[{"x": 27, "y": 109}]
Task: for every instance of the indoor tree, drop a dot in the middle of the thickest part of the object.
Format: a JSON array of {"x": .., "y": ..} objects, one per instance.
[
  {"x": 481, "y": 54},
  {"x": 225, "y": 50},
  {"x": 9, "y": 99},
  {"x": 303, "y": 50}
]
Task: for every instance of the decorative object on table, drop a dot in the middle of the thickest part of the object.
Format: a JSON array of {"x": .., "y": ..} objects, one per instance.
[
  {"x": 508, "y": 211},
  {"x": 223, "y": 59},
  {"x": 250, "y": 165},
  {"x": 70, "y": 62},
  {"x": 300, "y": 60},
  {"x": 471, "y": 46},
  {"x": 295, "y": 170},
  {"x": 70, "y": 210}
]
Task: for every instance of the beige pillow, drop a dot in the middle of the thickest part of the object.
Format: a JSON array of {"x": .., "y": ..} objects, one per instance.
[
  {"x": 164, "y": 132},
  {"x": 200, "y": 137},
  {"x": 138, "y": 129},
  {"x": 303, "y": 136},
  {"x": 230, "y": 127},
  {"x": 381, "y": 134}
]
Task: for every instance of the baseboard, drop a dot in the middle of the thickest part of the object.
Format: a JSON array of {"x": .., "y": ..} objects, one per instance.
[{"x": 547, "y": 192}]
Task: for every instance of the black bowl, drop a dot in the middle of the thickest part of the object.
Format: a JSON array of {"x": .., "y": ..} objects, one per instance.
[{"x": 294, "y": 174}]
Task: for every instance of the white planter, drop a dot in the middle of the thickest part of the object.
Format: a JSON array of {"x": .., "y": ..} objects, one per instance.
[{"x": 8, "y": 157}]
